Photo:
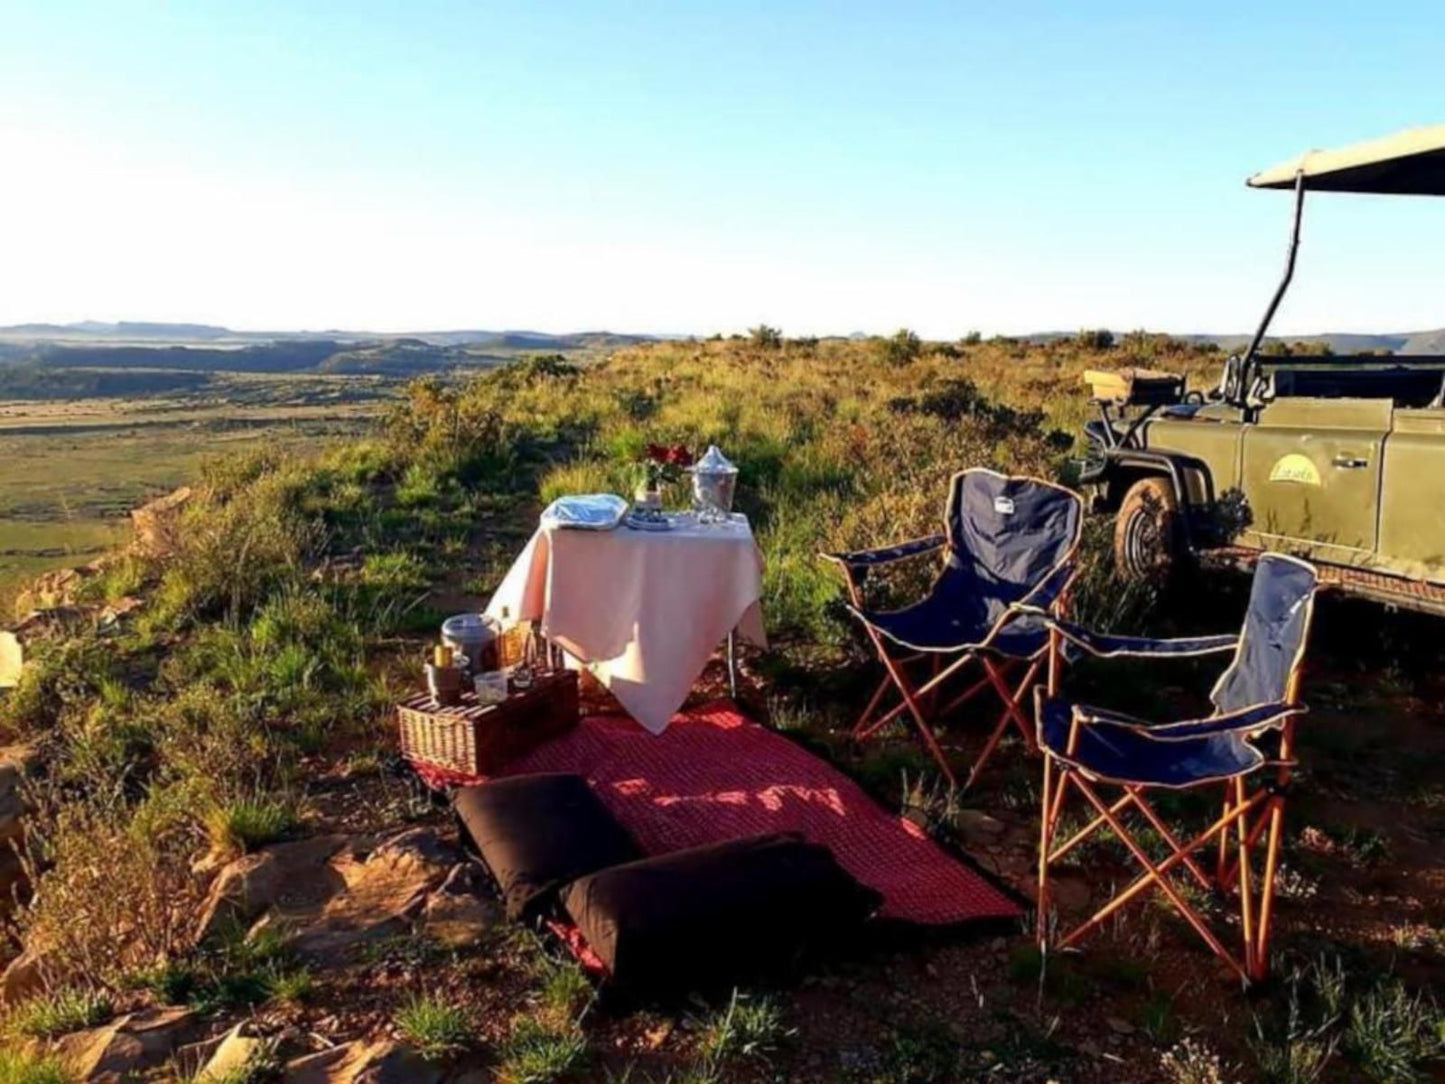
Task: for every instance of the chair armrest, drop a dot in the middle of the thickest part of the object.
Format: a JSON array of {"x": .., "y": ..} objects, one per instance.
[
  {"x": 1106, "y": 646},
  {"x": 1247, "y": 720},
  {"x": 887, "y": 554}
]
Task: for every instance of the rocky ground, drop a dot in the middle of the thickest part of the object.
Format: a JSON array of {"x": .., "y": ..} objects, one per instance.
[
  {"x": 377, "y": 904},
  {"x": 366, "y": 947}
]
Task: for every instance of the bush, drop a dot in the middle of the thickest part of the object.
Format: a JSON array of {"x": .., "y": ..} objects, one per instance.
[
  {"x": 113, "y": 890},
  {"x": 904, "y": 346},
  {"x": 66, "y": 1010},
  {"x": 747, "y": 1028},
  {"x": 238, "y": 549},
  {"x": 1390, "y": 1032},
  {"x": 765, "y": 338},
  {"x": 239, "y": 827},
  {"x": 24, "y": 1067},
  {"x": 539, "y": 1052},
  {"x": 435, "y": 1026},
  {"x": 1097, "y": 339}
]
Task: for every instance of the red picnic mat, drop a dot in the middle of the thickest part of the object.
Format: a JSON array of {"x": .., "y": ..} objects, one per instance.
[{"x": 715, "y": 775}]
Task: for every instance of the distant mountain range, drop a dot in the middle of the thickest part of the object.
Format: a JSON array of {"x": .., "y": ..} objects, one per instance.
[
  {"x": 27, "y": 350},
  {"x": 140, "y": 333},
  {"x": 1400, "y": 342},
  {"x": 1404, "y": 342}
]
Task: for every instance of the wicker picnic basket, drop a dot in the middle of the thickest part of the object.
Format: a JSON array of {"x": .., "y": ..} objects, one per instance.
[{"x": 474, "y": 739}]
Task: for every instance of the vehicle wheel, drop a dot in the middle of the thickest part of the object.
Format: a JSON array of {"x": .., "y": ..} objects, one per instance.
[{"x": 1146, "y": 531}]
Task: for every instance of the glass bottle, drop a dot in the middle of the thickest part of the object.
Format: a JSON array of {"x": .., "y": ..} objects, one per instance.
[{"x": 511, "y": 642}]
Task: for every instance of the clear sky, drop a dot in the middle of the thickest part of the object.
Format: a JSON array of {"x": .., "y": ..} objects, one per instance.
[{"x": 681, "y": 166}]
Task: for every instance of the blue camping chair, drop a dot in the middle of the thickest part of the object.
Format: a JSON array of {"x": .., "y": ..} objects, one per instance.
[
  {"x": 1008, "y": 548},
  {"x": 1252, "y": 728}
]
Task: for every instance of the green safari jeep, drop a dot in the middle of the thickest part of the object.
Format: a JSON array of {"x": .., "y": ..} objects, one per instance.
[{"x": 1338, "y": 459}]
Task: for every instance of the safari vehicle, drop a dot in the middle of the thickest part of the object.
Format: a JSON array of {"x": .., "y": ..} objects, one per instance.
[{"x": 1339, "y": 459}]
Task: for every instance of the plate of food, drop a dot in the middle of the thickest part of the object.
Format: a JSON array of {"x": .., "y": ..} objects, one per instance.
[
  {"x": 586, "y": 512},
  {"x": 644, "y": 520}
]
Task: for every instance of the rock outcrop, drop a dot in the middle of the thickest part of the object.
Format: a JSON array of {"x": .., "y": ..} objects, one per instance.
[
  {"x": 52, "y": 590},
  {"x": 284, "y": 874},
  {"x": 12, "y": 659},
  {"x": 330, "y": 893},
  {"x": 156, "y": 522},
  {"x": 126, "y": 1047},
  {"x": 24, "y": 976},
  {"x": 234, "y": 1055},
  {"x": 380, "y": 1062},
  {"x": 461, "y": 912}
]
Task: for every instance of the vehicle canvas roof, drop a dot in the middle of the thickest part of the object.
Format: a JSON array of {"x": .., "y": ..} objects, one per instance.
[{"x": 1408, "y": 163}]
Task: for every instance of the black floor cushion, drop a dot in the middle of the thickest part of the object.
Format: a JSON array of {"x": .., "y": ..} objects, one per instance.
[
  {"x": 537, "y": 833},
  {"x": 707, "y": 918}
]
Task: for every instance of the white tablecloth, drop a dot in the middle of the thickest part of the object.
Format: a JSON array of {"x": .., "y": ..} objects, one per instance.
[{"x": 641, "y": 610}]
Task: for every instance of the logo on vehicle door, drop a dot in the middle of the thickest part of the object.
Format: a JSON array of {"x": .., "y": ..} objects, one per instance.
[{"x": 1295, "y": 468}]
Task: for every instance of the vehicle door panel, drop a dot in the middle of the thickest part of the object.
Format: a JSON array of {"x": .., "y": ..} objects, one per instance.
[{"x": 1412, "y": 497}]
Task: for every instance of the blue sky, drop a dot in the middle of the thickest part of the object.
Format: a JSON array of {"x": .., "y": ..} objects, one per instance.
[{"x": 700, "y": 167}]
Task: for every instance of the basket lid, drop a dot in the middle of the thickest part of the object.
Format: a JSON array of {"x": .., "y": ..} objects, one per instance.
[{"x": 469, "y": 626}]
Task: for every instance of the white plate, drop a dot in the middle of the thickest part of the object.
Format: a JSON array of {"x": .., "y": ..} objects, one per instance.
[{"x": 635, "y": 522}]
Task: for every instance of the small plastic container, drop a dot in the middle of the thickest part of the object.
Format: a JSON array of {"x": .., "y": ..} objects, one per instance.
[
  {"x": 490, "y": 686},
  {"x": 475, "y": 636}
]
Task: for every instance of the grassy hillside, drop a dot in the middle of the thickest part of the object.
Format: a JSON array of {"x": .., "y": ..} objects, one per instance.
[
  {"x": 73, "y": 465},
  {"x": 247, "y": 701}
]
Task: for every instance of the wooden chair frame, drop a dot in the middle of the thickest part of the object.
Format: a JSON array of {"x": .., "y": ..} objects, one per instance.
[
  {"x": 1247, "y": 815},
  {"x": 919, "y": 701}
]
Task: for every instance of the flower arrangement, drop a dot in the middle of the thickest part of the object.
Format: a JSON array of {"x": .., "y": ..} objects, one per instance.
[{"x": 662, "y": 464}]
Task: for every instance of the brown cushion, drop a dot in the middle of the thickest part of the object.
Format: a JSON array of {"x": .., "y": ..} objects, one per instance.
[
  {"x": 710, "y": 917},
  {"x": 536, "y": 833}
]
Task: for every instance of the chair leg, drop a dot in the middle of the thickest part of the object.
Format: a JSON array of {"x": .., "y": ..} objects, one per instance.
[
  {"x": 862, "y": 729},
  {"x": 1246, "y": 907},
  {"x": 1155, "y": 874},
  {"x": 906, "y": 691},
  {"x": 1010, "y": 697},
  {"x": 1221, "y": 869},
  {"x": 862, "y": 732},
  {"x": 1266, "y": 892},
  {"x": 967, "y": 695},
  {"x": 1011, "y": 714},
  {"x": 1046, "y": 827},
  {"x": 1163, "y": 829}
]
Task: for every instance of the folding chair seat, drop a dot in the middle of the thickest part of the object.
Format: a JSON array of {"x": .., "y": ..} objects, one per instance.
[
  {"x": 1087, "y": 749},
  {"x": 943, "y": 622},
  {"x": 1008, "y": 549}
]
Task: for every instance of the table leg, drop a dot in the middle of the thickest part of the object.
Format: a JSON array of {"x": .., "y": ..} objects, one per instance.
[{"x": 732, "y": 665}]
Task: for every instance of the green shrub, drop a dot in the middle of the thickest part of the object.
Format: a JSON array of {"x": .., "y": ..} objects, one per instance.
[
  {"x": 294, "y": 987},
  {"x": 241, "y": 826},
  {"x": 1390, "y": 1032},
  {"x": 421, "y": 486},
  {"x": 435, "y": 1026},
  {"x": 1095, "y": 339},
  {"x": 113, "y": 889},
  {"x": 538, "y": 1052},
  {"x": 901, "y": 348},
  {"x": 747, "y": 1028},
  {"x": 23, "y": 1067},
  {"x": 766, "y": 338},
  {"x": 67, "y": 1010}
]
